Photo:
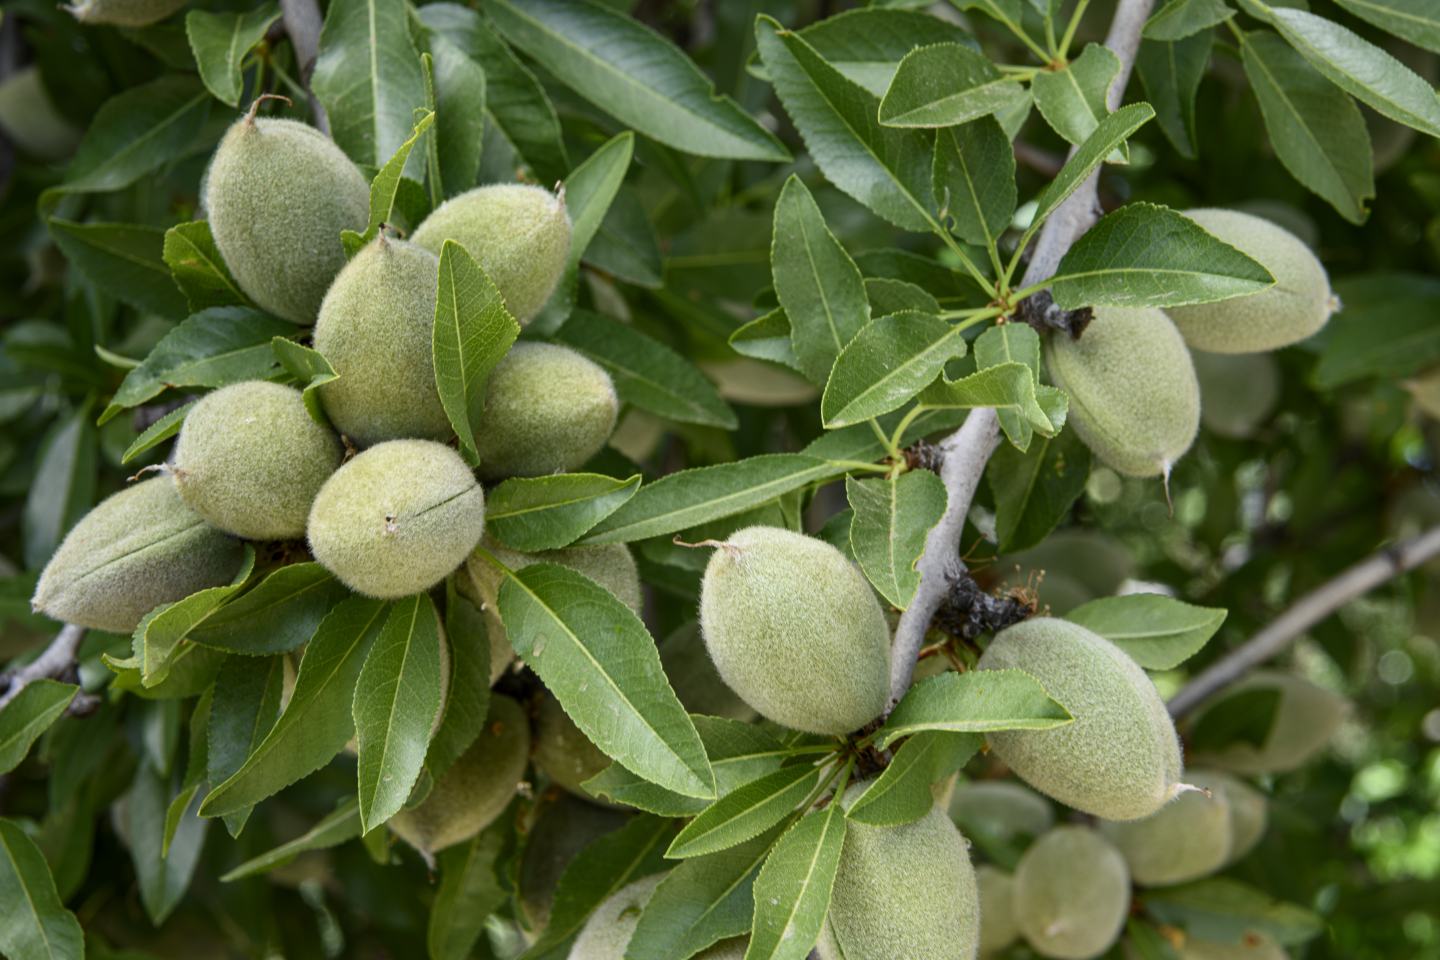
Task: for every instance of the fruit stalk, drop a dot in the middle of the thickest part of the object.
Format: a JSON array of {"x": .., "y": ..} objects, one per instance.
[
  {"x": 967, "y": 450},
  {"x": 1304, "y": 614}
]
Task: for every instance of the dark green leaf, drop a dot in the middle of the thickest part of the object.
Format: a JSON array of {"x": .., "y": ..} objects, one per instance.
[
  {"x": 157, "y": 433},
  {"x": 460, "y": 91},
  {"x": 245, "y": 706},
  {"x": 1414, "y": 21},
  {"x": 64, "y": 485},
  {"x": 330, "y": 831},
  {"x": 279, "y": 614},
  {"x": 470, "y": 891},
  {"x": 746, "y": 812},
  {"x": 163, "y": 879},
  {"x": 1179, "y": 19},
  {"x": 197, "y": 267},
  {"x": 1171, "y": 72},
  {"x": 1114, "y": 130},
  {"x": 1386, "y": 329},
  {"x": 547, "y": 513},
  {"x": 1035, "y": 489},
  {"x": 123, "y": 259},
  {"x": 34, "y": 924},
  {"x": 1224, "y": 910},
  {"x": 767, "y": 338},
  {"x": 221, "y": 41},
  {"x": 902, "y": 793},
  {"x": 467, "y": 699},
  {"x": 29, "y": 714},
  {"x": 975, "y": 178},
  {"x": 1072, "y": 100},
  {"x": 158, "y": 636},
  {"x": 886, "y": 364}
]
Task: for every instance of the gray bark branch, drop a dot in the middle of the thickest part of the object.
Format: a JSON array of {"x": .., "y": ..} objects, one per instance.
[
  {"x": 53, "y": 662},
  {"x": 968, "y": 449},
  {"x": 302, "y": 24},
  {"x": 1309, "y": 610}
]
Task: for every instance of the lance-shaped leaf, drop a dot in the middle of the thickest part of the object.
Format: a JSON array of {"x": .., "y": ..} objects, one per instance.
[
  {"x": 1072, "y": 100},
  {"x": 63, "y": 485},
  {"x": 126, "y": 260},
  {"x": 767, "y": 337},
  {"x": 221, "y": 41},
  {"x": 974, "y": 173},
  {"x": 467, "y": 698},
  {"x": 471, "y": 334},
  {"x": 647, "y": 374},
  {"x": 311, "y": 369},
  {"x": 886, "y": 169},
  {"x": 384, "y": 188},
  {"x": 1011, "y": 343},
  {"x": 35, "y": 923},
  {"x": 745, "y": 813},
  {"x": 1112, "y": 131},
  {"x": 1357, "y": 66},
  {"x": 818, "y": 285},
  {"x": 974, "y": 702},
  {"x": 792, "y": 892},
  {"x": 317, "y": 723},
  {"x": 162, "y": 876},
  {"x": 1179, "y": 19},
  {"x": 279, "y": 614},
  {"x": 600, "y": 662},
  {"x": 329, "y": 831},
  {"x": 243, "y": 709},
  {"x": 945, "y": 84},
  {"x": 158, "y": 636},
  {"x": 688, "y": 498},
  {"x": 368, "y": 77},
  {"x": 902, "y": 793},
  {"x": 1144, "y": 255},
  {"x": 1035, "y": 488},
  {"x": 1415, "y": 21},
  {"x": 470, "y": 891},
  {"x": 197, "y": 267},
  {"x": 1005, "y": 386},
  {"x": 700, "y": 902},
  {"x": 158, "y": 432},
  {"x": 886, "y": 364},
  {"x": 1158, "y": 632},
  {"x": 547, "y": 513},
  {"x": 460, "y": 91},
  {"x": 29, "y": 714},
  {"x": 601, "y": 869},
  {"x": 213, "y": 348},
  {"x": 1316, "y": 129},
  {"x": 397, "y": 699},
  {"x": 1171, "y": 71},
  {"x": 636, "y": 75},
  {"x": 893, "y": 515}
]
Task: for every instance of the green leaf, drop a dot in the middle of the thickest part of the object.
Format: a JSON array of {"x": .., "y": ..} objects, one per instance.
[
  {"x": 397, "y": 699},
  {"x": 278, "y": 615},
  {"x": 891, "y": 360},
  {"x": 159, "y": 635},
  {"x": 1179, "y": 19},
  {"x": 311, "y": 369},
  {"x": 244, "y": 708},
  {"x": 317, "y": 723},
  {"x": 1144, "y": 255},
  {"x": 1316, "y": 129},
  {"x": 1387, "y": 329},
  {"x": 330, "y": 831},
  {"x": 163, "y": 878},
  {"x": 886, "y": 169},
  {"x": 1011, "y": 343},
  {"x": 35, "y": 924},
  {"x": 1414, "y": 21},
  {"x": 974, "y": 702},
  {"x": 1006, "y": 386},
  {"x": 1072, "y": 100},
  {"x": 125, "y": 260},
  {"x": 634, "y": 74},
  {"x": 767, "y": 337},
  {"x": 1114, "y": 130},
  {"x": 746, "y": 812},
  {"x": 591, "y": 188},
  {"x": 946, "y": 84},
  {"x": 29, "y": 714},
  {"x": 792, "y": 892},
  {"x": 1246, "y": 716},
  {"x": 625, "y": 246},
  {"x": 467, "y": 699},
  {"x": 368, "y": 77},
  {"x": 63, "y": 489},
  {"x": 700, "y": 902},
  {"x": 1357, "y": 66},
  {"x": 600, "y": 662},
  {"x": 470, "y": 891},
  {"x": 213, "y": 348},
  {"x": 689, "y": 498},
  {"x": 1171, "y": 72},
  {"x": 818, "y": 285},
  {"x": 1158, "y": 632},
  {"x": 902, "y": 794},
  {"x": 647, "y": 373},
  {"x": 547, "y": 513},
  {"x": 601, "y": 869},
  {"x": 220, "y": 43},
  {"x": 471, "y": 334},
  {"x": 893, "y": 515},
  {"x": 1035, "y": 488},
  {"x": 460, "y": 108},
  {"x": 889, "y": 295},
  {"x": 384, "y": 188},
  {"x": 135, "y": 133},
  {"x": 1224, "y": 910},
  {"x": 975, "y": 178},
  {"x": 196, "y": 265},
  {"x": 516, "y": 104}
]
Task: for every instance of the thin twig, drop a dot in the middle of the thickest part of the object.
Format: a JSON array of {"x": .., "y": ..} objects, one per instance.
[
  {"x": 968, "y": 449},
  {"x": 54, "y": 661},
  {"x": 1304, "y": 614},
  {"x": 303, "y": 23}
]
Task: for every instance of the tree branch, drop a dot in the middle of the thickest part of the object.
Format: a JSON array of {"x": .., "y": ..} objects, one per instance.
[
  {"x": 303, "y": 23},
  {"x": 1306, "y": 612},
  {"x": 54, "y": 661},
  {"x": 968, "y": 449}
]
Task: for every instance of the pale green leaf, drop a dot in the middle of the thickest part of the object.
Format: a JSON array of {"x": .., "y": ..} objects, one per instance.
[
  {"x": 1179, "y": 19},
  {"x": 886, "y": 364},
  {"x": 1072, "y": 100},
  {"x": 974, "y": 702},
  {"x": 945, "y": 84},
  {"x": 792, "y": 891},
  {"x": 893, "y": 515},
  {"x": 547, "y": 513},
  {"x": 1158, "y": 632},
  {"x": 746, "y": 812},
  {"x": 197, "y": 267},
  {"x": 385, "y": 187}
]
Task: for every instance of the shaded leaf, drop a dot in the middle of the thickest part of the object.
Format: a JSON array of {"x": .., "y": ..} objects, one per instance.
[
  {"x": 1224, "y": 910},
  {"x": 1114, "y": 130},
  {"x": 29, "y": 714},
  {"x": 975, "y": 179},
  {"x": 330, "y": 831},
  {"x": 467, "y": 699},
  {"x": 63, "y": 489},
  {"x": 244, "y": 707},
  {"x": 34, "y": 925},
  {"x": 1179, "y": 19},
  {"x": 123, "y": 259},
  {"x": 220, "y": 43},
  {"x": 470, "y": 891},
  {"x": 1034, "y": 489},
  {"x": 1171, "y": 72},
  {"x": 279, "y": 614}
]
